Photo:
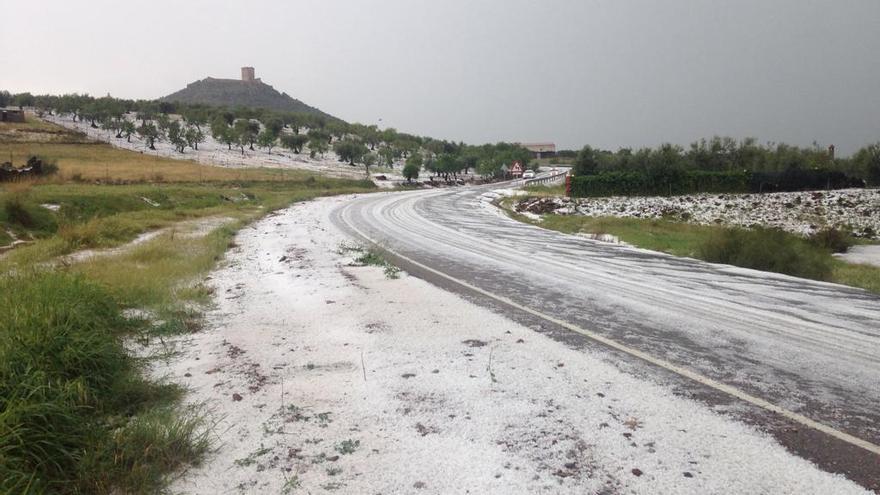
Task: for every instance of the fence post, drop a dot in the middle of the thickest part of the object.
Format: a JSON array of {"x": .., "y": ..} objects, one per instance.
[{"x": 568, "y": 185}]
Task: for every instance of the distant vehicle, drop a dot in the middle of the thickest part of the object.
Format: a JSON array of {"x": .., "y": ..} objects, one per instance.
[{"x": 529, "y": 174}]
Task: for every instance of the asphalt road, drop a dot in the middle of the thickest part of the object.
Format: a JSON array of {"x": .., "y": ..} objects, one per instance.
[{"x": 804, "y": 347}]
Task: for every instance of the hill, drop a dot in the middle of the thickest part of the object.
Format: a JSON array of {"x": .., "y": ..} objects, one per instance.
[{"x": 246, "y": 92}]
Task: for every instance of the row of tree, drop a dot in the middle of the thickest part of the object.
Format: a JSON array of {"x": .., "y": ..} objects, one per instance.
[
  {"x": 724, "y": 154},
  {"x": 245, "y": 128}
]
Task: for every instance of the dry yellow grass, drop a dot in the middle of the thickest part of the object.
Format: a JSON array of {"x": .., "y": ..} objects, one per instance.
[{"x": 97, "y": 161}]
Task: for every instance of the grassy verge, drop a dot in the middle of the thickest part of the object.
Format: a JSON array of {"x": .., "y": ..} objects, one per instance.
[
  {"x": 77, "y": 414},
  {"x": 764, "y": 249}
]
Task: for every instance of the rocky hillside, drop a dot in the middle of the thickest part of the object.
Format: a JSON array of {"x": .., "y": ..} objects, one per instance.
[{"x": 235, "y": 93}]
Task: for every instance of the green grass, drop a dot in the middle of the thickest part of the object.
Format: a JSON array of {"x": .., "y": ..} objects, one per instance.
[
  {"x": 74, "y": 407},
  {"x": 768, "y": 250},
  {"x": 856, "y": 275},
  {"x": 761, "y": 249},
  {"x": 95, "y": 216}
]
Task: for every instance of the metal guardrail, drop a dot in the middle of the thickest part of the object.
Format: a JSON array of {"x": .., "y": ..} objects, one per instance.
[{"x": 550, "y": 179}]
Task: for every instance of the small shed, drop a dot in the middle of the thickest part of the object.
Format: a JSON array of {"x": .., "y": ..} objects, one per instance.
[{"x": 11, "y": 115}]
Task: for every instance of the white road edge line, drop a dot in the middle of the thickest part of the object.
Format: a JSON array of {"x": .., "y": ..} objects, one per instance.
[{"x": 733, "y": 391}]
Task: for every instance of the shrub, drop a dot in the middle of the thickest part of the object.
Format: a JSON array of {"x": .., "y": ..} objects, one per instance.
[
  {"x": 832, "y": 239},
  {"x": 658, "y": 182},
  {"x": 769, "y": 250},
  {"x": 671, "y": 181},
  {"x": 17, "y": 213},
  {"x": 32, "y": 217}
]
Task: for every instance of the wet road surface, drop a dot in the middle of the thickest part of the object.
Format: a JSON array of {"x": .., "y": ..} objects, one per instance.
[{"x": 808, "y": 347}]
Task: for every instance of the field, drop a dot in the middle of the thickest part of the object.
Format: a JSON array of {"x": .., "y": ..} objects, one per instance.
[
  {"x": 80, "y": 159},
  {"x": 111, "y": 254}
]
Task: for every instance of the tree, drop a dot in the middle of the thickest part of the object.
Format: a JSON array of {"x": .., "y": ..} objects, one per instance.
[
  {"x": 294, "y": 142},
  {"x": 176, "y": 136},
  {"x": 586, "y": 162},
  {"x": 415, "y": 160},
  {"x": 405, "y": 145},
  {"x": 369, "y": 160},
  {"x": 149, "y": 134},
  {"x": 274, "y": 125},
  {"x": 350, "y": 150},
  {"x": 246, "y": 132},
  {"x": 448, "y": 163},
  {"x": 127, "y": 129},
  {"x": 294, "y": 121},
  {"x": 370, "y": 135},
  {"x": 221, "y": 131},
  {"x": 410, "y": 171},
  {"x": 867, "y": 161},
  {"x": 317, "y": 145},
  {"x": 194, "y": 136},
  {"x": 267, "y": 139},
  {"x": 114, "y": 125},
  {"x": 195, "y": 116},
  {"x": 469, "y": 160},
  {"x": 162, "y": 122},
  {"x": 336, "y": 130},
  {"x": 387, "y": 154}
]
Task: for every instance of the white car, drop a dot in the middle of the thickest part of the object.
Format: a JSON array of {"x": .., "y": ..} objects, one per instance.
[{"x": 529, "y": 174}]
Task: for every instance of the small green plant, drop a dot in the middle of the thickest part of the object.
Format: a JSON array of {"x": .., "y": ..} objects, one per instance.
[
  {"x": 291, "y": 484},
  {"x": 392, "y": 271},
  {"x": 376, "y": 257},
  {"x": 295, "y": 414},
  {"x": 251, "y": 459},
  {"x": 334, "y": 471},
  {"x": 347, "y": 446},
  {"x": 324, "y": 419},
  {"x": 371, "y": 257}
]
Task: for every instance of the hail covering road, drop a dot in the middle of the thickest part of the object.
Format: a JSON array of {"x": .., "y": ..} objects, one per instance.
[{"x": 809, "y": 347}]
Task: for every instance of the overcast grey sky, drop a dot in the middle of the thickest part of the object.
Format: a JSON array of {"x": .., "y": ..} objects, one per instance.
[{"x": 610, "y": 73}]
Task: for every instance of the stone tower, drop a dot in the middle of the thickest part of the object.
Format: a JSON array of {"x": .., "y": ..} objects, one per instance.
[{"x": 247, "y": 74}]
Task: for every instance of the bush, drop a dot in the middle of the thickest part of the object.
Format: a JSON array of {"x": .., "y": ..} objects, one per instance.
[
  {"x": 768, "y": 250},
  {"x": 410, "y": 172},
  {"x": 17, "y": 211},
  {"x": 658, "y": 182},
  {"x": 672, "y": 181},
  {"x": 833, "y": 240}
]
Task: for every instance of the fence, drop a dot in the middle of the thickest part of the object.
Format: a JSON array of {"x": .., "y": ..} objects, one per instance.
[{"x": 550, "y": 179}]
